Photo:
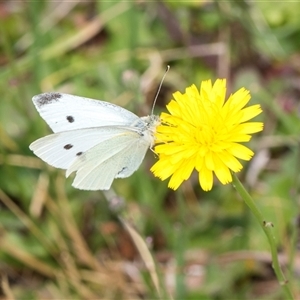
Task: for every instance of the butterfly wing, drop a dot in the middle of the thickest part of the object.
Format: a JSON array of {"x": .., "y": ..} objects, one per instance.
[
  {"x": 61, "y": 149},
  {"x": 65, "y": 112},
  {"x": 117, "y": 157}
]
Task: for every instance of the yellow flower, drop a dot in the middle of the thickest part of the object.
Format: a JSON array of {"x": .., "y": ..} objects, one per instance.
[{"x": 204, "y": 132}]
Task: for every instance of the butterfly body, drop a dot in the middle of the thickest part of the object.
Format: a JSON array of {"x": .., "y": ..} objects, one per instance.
[{"x": 98, "y": 140}]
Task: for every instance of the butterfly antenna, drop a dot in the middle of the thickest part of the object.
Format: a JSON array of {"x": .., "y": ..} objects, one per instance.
[{"x": 159, "y": 88}]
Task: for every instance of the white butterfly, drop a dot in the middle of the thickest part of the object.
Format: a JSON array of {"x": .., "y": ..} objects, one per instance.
[{"x": 98, "y": 140}]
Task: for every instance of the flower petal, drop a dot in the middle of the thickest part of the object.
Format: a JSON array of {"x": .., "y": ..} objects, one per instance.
[{"x": 206, "y": 179}]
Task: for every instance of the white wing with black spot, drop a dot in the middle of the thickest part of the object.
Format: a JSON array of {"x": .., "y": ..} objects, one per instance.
[
  {"x": 61, "y": 149},
  {"x": 64, "y": 112}
]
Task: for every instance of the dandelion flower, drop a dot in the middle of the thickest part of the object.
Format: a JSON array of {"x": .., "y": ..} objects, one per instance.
[{"x": 204, "y": 132}]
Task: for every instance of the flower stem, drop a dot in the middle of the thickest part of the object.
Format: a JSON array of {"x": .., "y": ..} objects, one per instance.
[{"x": 267, "y": 228}]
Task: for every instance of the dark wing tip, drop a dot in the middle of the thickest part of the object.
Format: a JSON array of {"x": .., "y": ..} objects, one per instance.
[{"x": 46, "y": 98}]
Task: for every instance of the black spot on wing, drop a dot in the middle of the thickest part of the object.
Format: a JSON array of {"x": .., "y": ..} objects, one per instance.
[
  {"x": 122, "y": 170},
  {"x": 68, "y": 146},
  {"x": 79, "y": 153},
  {"x": 46, "y": 98},
  {"x": 70, "y": 119}
]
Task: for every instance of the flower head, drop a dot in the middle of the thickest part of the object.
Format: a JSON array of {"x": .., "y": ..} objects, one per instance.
[{"x": 203, "y": 132}]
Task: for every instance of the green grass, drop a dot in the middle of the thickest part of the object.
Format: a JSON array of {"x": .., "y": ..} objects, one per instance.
[{"x": 57, "y": 242}]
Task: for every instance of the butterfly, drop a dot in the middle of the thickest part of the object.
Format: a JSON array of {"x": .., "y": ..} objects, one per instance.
[{"x": 98, "y": 140}]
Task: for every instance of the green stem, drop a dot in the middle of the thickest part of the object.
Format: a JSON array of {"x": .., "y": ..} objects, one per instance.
[{"x": 267, "y": 228}]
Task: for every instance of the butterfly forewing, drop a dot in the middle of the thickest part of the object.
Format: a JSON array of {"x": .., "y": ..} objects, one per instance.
[
  {"x": 64, "y": 112},
  {"x": 61, "y": 149}
]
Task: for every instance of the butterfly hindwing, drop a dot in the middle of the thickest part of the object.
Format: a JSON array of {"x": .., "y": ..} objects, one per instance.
[{"x": 117, "y": 157}]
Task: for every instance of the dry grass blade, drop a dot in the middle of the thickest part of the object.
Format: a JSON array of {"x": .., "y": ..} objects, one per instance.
[
  {"x": 26, "y": 258},
  {"x": 21, "y": 161},
  {"x": 6, "y": 288},
  {"x": 39, "y": 196},
  {"x": 66, "y": 44},
  {"x": 55, "y": 14},
  {"x": 26, "y": 221},
  {"x": 74, "y": 277},
  {"x": 63, "y": 211},
  {"x": 145, "y": 255}
]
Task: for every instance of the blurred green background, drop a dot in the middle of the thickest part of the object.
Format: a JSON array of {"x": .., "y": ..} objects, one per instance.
[{"x": 57, "y": 242}]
